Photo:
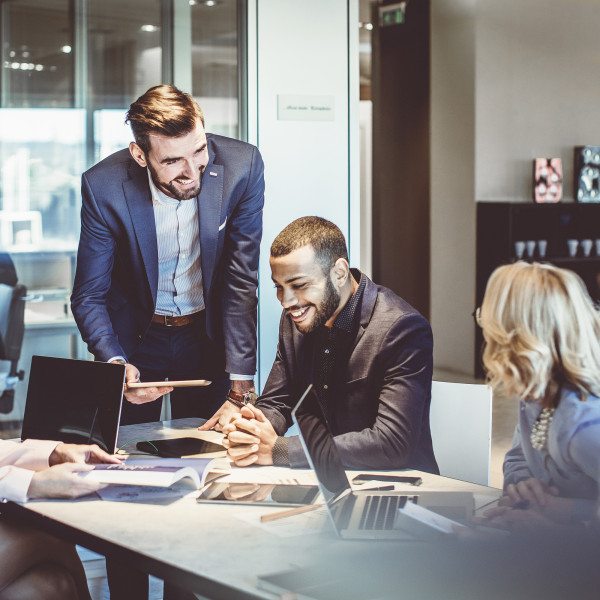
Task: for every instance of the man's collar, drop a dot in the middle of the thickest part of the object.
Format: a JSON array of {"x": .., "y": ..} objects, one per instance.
[{"x": 346, "y": 318}]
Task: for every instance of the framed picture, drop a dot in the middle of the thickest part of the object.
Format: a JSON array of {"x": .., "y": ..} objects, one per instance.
[
  {"x": 547, "y": 180},
  {"x": 586, "y": 173}
]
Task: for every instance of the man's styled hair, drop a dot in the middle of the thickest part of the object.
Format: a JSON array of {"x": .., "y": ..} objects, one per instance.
[
  {"x": 541, "y": 330},
  {"x": 163, "y": 110},
  {"x": 325, "y": 238}
]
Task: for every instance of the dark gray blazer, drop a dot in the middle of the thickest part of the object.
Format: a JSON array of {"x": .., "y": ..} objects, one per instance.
[
  {"x": 381, "y": 415},
  {"x": 116, "y": 281}
]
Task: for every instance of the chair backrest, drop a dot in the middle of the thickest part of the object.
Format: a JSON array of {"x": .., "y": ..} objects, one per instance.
[{"x": 461, "y": 430}]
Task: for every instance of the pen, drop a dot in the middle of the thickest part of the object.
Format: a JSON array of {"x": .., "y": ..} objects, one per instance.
[
  {"x": 521, "y": 505},
  {"x": 282, "y": 514}
]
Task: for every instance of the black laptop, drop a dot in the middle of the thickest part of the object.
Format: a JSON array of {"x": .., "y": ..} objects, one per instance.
[{"x": 74, "y": 401}]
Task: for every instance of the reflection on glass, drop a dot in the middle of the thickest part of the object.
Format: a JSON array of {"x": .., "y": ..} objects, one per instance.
[
  {"x": 42, "y": 155},
  {"x": 37, "y": 57},
  {"x": 215, "y": 64}
]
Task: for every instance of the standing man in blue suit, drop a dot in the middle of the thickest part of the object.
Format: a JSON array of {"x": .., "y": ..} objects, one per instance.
[{"x": 168, "y": 258}]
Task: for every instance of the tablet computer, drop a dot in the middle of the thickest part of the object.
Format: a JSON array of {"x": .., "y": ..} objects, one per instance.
[
  {"x": 167, "y": 383},
  {"x": 260, "y": 494}
]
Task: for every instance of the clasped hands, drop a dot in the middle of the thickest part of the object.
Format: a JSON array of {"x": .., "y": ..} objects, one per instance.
[{"x": 249, "y": 438}]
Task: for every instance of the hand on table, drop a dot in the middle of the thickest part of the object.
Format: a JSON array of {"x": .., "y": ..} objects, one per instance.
[
  {"x": 62, "y": 481},
  {"x": 221, "y": 418},
  {"x": 250, "y": 438},
  {"x": 80, "y": 453},
  {"x": 225, "y": 414}
]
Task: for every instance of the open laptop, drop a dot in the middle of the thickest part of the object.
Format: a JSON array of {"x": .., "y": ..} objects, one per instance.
[
  {"x": 361, "y": 514},
  {"x": 74, "y": 401}
]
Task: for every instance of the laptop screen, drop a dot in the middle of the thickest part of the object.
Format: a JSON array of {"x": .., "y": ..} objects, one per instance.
[
  {"x": 319, "y": 446},
  {"x": 74, "y": 401}
]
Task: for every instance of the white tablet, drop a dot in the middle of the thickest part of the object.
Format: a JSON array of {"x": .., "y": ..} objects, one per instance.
[{"x": 186, "y": 383}]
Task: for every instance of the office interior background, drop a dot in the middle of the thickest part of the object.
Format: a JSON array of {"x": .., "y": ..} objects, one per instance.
[{"x": 428, "y": 115}]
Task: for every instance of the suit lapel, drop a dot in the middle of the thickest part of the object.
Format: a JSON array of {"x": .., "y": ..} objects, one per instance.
[
  {"x": 139, "y": 203},
  {"x": 209, "y": 213}
]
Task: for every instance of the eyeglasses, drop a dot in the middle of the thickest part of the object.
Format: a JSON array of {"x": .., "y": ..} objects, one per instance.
[{"x": 477, "y": 316}]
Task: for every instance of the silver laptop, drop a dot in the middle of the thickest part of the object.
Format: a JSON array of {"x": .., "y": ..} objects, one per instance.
[
  {"x": 361, "y": 514},
  {"x": 74, "y": 401}
]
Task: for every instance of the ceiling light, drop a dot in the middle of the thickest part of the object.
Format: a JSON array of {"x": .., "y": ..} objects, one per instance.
[
  {"x": 149, "y": 28},
  {"x": 193, "y": 2},
  {"x": 369, "y": 26},
  {"x": 66, "y": 49},
  {"x": 209, "y": 2}
]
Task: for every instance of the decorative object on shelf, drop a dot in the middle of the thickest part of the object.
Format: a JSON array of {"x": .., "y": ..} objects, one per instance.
[
  {"x": 542, "y": 246},
  {"x": 572, "y": 247},
  {"x": 586, "y": 173},
  {"x": 539, "y": 431},
  {"x": 547, "y": 180},
  {"x": 519, "y": 249},
  {"x": 586, "y": 247}
]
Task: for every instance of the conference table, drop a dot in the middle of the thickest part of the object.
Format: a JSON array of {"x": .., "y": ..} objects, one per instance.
[{"x": 216, "y": 550}]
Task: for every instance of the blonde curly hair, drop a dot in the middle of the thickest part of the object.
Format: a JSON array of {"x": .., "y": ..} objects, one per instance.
[{"x": 541, "y": 330}]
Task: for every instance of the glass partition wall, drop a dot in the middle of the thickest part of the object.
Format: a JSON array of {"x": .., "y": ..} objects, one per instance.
[{"x": 69, "y": 70}]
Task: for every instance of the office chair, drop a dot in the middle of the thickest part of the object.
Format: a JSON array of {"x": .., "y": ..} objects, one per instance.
[
  {"x": 12, "y": 329},
  {"x": 461, "y": 430}
]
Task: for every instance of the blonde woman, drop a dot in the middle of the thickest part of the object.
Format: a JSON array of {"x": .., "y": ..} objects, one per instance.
[{"x": 542, "y": 344}]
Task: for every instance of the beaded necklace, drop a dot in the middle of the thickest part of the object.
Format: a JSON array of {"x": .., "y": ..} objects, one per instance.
[{"x": 539, "y": 431}]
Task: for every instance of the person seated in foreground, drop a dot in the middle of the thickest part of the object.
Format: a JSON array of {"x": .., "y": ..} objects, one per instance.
[
  {"x": 367, "y": 352},
  {"x": 542, "y": 344},
  {"x": 33, "y": 564}
]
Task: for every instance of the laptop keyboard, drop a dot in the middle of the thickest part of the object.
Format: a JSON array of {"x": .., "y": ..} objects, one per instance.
[{"x": 380, "y": 512}]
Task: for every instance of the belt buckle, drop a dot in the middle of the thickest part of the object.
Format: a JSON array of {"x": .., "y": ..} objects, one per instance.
[{"x": 166, "y": 322}]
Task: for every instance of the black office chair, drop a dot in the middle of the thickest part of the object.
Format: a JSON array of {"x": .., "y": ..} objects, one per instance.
[{"x": 12, "y": 329}]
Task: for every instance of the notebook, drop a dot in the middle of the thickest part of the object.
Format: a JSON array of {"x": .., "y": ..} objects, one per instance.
[
  {"x": 361, "y": 514},
  {"x": 74, "y": 401}
]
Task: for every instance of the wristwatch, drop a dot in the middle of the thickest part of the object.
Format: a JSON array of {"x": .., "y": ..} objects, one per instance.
[{"x": 241, "y": 399}]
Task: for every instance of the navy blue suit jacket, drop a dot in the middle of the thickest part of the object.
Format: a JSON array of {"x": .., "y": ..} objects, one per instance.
[
  {"x": 380, "y": 417},
  {"x": 116, "y": 281}
]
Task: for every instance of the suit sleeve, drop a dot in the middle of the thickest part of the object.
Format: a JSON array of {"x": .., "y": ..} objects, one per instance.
[
  {"x": 276, "y": 401},
  {"x": 240, "y": 273},
  {"x": 515, "y": 464},
  {"x": 95, "y": 258}
]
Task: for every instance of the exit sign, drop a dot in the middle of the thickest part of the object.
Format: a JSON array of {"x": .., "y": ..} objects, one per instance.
[{"x": 392, "y": 14}]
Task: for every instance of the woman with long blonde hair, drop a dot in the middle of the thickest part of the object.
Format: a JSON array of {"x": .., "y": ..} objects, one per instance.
[{"x": 542, "y": 344}]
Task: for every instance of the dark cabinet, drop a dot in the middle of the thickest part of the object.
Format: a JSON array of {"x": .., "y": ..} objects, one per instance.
[{"x": 506, "y": 231}]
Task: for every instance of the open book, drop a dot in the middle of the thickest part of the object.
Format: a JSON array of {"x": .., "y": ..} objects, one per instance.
[{"x": 160, "y": 472}]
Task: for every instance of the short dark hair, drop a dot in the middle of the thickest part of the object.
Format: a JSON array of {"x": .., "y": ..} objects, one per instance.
[
  {"x": 163, "y": 109},
  {"x": 325, "y": 238}
]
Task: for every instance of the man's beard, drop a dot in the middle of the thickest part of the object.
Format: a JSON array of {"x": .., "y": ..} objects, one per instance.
[
  {"x": 324, "y": 310},
  {"x": 172, "y": 189}
]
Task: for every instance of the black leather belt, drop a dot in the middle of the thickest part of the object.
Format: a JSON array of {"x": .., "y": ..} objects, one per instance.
[{"x": 176, "y": 321}]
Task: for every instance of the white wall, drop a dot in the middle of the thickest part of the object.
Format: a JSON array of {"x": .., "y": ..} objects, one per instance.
[
  {"x": 453, "y": 182},
  {"x": 302, "y": 48},
  {"x": 512, "y": 80}
]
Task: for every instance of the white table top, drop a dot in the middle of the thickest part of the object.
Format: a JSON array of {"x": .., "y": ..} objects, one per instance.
[{"x": 218, "y": 550}]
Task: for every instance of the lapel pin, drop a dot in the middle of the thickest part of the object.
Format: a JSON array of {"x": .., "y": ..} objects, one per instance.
[{"x": 212, "y": 173}]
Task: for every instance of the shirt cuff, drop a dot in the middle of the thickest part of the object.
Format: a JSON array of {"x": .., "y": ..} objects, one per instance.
[
  {"x": 14, "y": 483},
  {"x": 235, "y": 376},
  {"x": 280, "y": 452},
  {"x": 112, "y": 358}
]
